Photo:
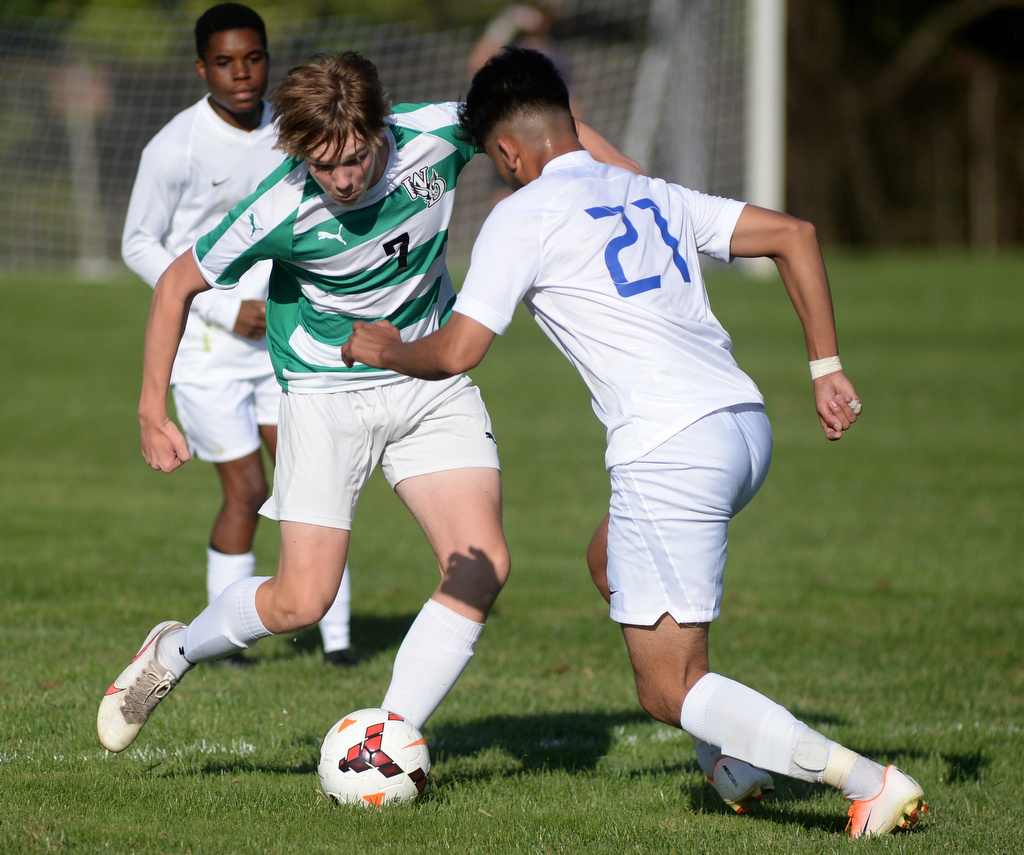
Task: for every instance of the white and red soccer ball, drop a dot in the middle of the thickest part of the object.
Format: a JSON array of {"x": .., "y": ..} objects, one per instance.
[{"x": 373, "y": 757}]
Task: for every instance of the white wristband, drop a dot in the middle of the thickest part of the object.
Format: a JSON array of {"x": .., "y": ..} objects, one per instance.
[{"x": 828, "y": 365}]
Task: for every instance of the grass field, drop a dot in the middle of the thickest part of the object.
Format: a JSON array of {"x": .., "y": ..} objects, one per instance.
[{"x": 874, "y": 587}]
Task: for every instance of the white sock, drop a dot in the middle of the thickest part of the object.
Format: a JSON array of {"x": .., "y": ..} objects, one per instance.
[
  {"x": 223, "y": 569},
  {"x": 334, "y": 626},
  {"x": 865, "y": 779},
  {"x": 436, "y": 650},
  {"x": 170, "y": 652},
  {"x": 751, "y": 727},
  {"x": 746, "y": 725},
  {"x": 741, "y": 722},
  {"x": 228, "y": 625},
  {"x": 820, "y": 759}
]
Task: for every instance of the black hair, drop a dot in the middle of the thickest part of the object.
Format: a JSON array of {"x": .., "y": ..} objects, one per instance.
[
  {"x": 515, "y": 80},
  {"x": 226, "y": 16}
]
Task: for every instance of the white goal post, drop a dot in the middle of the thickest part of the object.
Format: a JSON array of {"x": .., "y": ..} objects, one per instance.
[{"x": 765, "y": 183}]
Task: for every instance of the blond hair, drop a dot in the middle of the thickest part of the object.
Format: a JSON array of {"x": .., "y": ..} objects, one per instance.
[{"x": 328, "y": 98}]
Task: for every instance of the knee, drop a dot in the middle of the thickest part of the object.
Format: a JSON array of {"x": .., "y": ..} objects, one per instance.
[
  {"x": 283, "y": 610},
  {"x": 662, "y": 702},
  {"x": 490, "y": 570},
  {"x": 502, "y": 568},
  {"x": 249, "y": 490},
  {"x": 661, "y": 689},
  {"x": 254, "y": 492},
  {"x": 475, "y": 579},
  {"x": 662, "y": 694},
  {"x": 491, "y": 563}
]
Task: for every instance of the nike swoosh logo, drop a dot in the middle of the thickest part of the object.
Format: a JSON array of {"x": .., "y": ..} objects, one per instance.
[{"x": 218, "y": 183}]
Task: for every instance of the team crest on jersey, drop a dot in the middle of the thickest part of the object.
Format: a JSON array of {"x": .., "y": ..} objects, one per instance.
[{"x": 425, "y": 184}]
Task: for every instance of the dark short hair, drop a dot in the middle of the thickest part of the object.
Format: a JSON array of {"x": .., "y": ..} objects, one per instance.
[
  {"x": 227, "y": 16},
  {"x": 514, "y": 81}
]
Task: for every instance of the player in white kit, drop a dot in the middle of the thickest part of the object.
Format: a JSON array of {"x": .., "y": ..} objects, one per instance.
[
  {"x": 607, "y": 263},
  {"x": 203, "y": 162}
]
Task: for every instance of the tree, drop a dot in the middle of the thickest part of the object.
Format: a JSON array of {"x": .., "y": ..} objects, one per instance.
[{"x": 901, "y": 95}]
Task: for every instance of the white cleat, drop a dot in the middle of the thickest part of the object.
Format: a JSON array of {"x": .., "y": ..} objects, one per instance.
[
  {"x": 899, "y": 804},
  {"x": 740, "y": 785},
  {"x": 135, "y": 693}
]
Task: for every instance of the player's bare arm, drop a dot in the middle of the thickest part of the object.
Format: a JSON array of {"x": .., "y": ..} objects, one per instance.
[
  {"x": 163, "y": 445},
  {"x": 793, "y": 245},
  {"x": 601, "y": 149},
  {"x": 455, "y": 348}
]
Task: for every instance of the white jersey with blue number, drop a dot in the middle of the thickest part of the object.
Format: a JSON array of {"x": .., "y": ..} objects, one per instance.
[{"x": 607, "y": 263}]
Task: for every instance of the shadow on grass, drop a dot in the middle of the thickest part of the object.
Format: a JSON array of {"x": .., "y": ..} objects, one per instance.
[
  {"x": 567, "y": 741},
  {"x": 571, "y": 741},
  {"x": 964, "y": 768},
  {"x": 787, "y": 806},
  {"x": 371, "y": 636},
  {"x": 304, "y": 757}
]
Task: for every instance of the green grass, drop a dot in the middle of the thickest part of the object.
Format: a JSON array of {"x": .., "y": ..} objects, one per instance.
[{"x": 873, "y": 588}]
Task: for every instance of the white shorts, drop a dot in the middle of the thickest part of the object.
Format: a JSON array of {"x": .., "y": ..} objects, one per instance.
[
  {"x": 221, "y": 421},
  {"x": 670, "y": 515},
  {"x": 328, "y": 444}
]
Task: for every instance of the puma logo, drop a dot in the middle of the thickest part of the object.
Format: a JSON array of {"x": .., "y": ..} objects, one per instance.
[{"x": 322, "y": 235}]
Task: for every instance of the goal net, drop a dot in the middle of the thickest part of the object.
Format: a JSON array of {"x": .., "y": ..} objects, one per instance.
[{"x": 662, "y": 79}]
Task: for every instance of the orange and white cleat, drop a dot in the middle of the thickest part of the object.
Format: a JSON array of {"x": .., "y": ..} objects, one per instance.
[{"x": 899, "y": 804}]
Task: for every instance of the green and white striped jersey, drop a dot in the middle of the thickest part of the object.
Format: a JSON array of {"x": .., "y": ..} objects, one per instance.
[{"x": 381, "y": 258}]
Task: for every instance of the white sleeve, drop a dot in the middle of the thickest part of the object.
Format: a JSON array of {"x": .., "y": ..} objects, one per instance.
[
  {"x": 155, "y": 196},
  {"x": 218, "y": 307},
  {"x": 714, "y": 221},
  {"x": 504, "y": 265}
]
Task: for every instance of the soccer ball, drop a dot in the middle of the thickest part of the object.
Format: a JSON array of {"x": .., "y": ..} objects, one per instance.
[{"x": 373, "y": 757}]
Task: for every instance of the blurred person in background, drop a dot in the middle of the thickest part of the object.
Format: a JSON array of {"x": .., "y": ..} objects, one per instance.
[{"x": 522, "y": 25}]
